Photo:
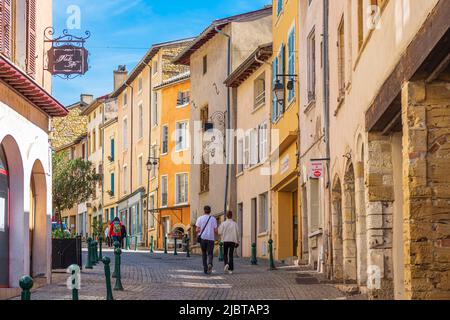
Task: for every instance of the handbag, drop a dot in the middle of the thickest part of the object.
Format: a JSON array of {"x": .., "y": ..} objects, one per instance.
[{"x": 199, "y": 238}]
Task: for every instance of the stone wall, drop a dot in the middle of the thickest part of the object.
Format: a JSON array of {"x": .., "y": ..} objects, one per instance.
[
  {"x": 379, "y": 209},
  {"x": 426, "y": 187},
  {"x": 66, "y": 130}
]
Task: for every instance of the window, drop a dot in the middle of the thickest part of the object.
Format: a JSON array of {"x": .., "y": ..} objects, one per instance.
[
  {"x": 151, "y": 207},
  {"x": 263, "y": 141},
  {"x": 94, "y": 141},
  {"x": 155, "y": 67},
  {"x": 240, "y": 151},
  {"x": 125, "y": 134},
  {"x": 155, "y": 109},
  {"x": 153, "y": 168},
  {"x": 275, "y": 103},
  {"x": 291, "y": 61},
  {"x": 6, "y": 28},
  {"x": 279, "y": 6},
  {"x": 111, "y": 214},
  {"x": 204, "y": 176},
  {"x": 181, "y": 188},
  {"x": 140, "y": 171},
  {"x": 253, "y": 147},
  {"x": 164, "y": 191},
  {"x": 360, "y": 23},
  {"x": 113, "y": 145},
  {"x": 315, "y": 204},
  {"x": 72, "y": 153},
  {"x": 31, "y": 37},
  {"x": 246, "y": 150},
  {"x": 263, "y": 213},
  {"x": 183, "y": 98},
  {"x": 204, "y": 116},
  {"x": 341, "y": 58},
  {"x": 141, "y": 121},
  {"x": 125, "y": 99},
  {"x": 83, "y": 151},
  {"x": 165, "y": 139},
  {"x": 205, "y": 64},
  {"x": 278, "y": 68},
  {"x": 259, "y": 88},
  {"x": 125, "y": 179},
  {"x": 181, "y": 136},
  {"x": 112, "y": 183},
  {"x": 281, "y": 70},
  {"x": 312, "y": 66},
  {"x": 100, "y": 131},
  {"x": 140, "y": 85}
]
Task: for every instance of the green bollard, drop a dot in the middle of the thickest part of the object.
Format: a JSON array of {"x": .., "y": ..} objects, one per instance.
[
  {"x": 165, "y": 244},
  {"x": 220, "y": 251},
  {"x": 106, "y": 261},
  {"x": 127, "y": 243},
  {"x": 100, "y": 239},
  {"x": 73, "y": 282},
  {"x": 95, "y": 254},
  {"x": 175, "y": 253},
  {"x": 135, "y": 243},
  {"x": 116, "y": 262},
  {"x": 118, "y": 286},
  {"x": 26, "y": 283},
  {"x": 151, "y": 244},
  {"x": 89, "y": 255},
  {"x": 254, "y": 261},
  {"x": 188, "y": 254},
  {"x": 271, "y": 262}
]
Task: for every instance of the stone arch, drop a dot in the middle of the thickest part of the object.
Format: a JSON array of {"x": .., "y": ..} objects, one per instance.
[
  {"x": 39, "y": 221},
  {"x": 14, "y": 223},
  {"x": 336, "y": 222},
  {"x": 349, "y": 225}
]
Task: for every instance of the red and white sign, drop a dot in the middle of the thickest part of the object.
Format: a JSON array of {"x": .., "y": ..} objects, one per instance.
[{"x": 316, "y": 170}]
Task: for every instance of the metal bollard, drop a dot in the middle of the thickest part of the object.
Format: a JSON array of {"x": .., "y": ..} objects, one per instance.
[
  {"x": 95, "y": 254},
  {"x": 73, "y": 283},
  {"x": 188, "y": 254},
  {"x": 175, "y": 253},
  {"x": 89, "y": 255},
  {"x": 100, "y": 257},
  {"x": 116, "y": 261},
  {"x": 151, "y": 244},
  {"x": 135, "y": 243},
  {"x": 254, "y": 261},
  {"x": 165, "y": 244},
  {"x": 220, "y": 251},
  {"x": 106, "y": 261},
  {"x": 271, "y": 262},
  {"x": 127, "y": 243},
  {"x": 118, "y": 286},
  {"x": 26, "y": 283}
]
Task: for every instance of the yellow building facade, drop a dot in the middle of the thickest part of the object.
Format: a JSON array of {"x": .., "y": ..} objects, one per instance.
[
  {"x": 170, "y": 210},
  {"x": 286, "y": 228}
]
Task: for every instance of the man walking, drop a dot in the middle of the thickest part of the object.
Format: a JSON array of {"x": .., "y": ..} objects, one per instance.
[
  {"x": 115, "y": 230},
  {"x": 206, "y": 229},
  {"x": 230, "y": 237}
]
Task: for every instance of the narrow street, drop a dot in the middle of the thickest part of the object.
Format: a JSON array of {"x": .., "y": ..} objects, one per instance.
[{"x": 162, "y": 276}]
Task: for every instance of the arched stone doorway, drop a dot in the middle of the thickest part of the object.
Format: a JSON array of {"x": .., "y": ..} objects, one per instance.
[
  {"x": 336, "y": 221},
  {"x": 12, "y": 214},
  {"x": 361, "y": 229},
  {"x": 39, "y": 221},
  {"x": 349, "y": 226}
]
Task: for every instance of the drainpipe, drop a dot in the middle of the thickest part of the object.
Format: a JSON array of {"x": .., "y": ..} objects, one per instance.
[
  {"x": 326, "y": 111},
  {"x": 228, "y": 126}
]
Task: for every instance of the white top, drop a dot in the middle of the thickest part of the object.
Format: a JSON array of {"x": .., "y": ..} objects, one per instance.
[
  {"x": 229, "y": 231},
  {"x": 208, "y": 234},
  {"x": 107, "y": 232}
]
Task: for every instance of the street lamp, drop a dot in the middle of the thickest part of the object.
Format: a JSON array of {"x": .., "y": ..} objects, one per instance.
[{"x": 279, "y": 89}]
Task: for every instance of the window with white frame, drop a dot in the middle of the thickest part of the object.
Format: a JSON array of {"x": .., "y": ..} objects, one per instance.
[
  {"x": 183, "y": 98},
  {"x": 181, "y": 188},
  {"x": 253, "y": 147},
  {"x": 240, "y": 156},
  {"x": 125, "y": 179},
  {"x": 311, "y": 51},
  {"x": 141, "y": 121},
  {"x": 155, "y": 109},
  {"x": 181, "y": 136},
  {"x": 125, "y": 99},
  {"x": 125, "y": 134},
  {"x": 246, "y": 150},
  {"x": 140, "y": 167},
  {"x": 155, "y": 67},
  {"x": 291, "y": 61},
  {"x": 164, "y": 191},
  {"x": 263, "y": 141},
  {"x": 151, "y": 207},
  {"x": 263, "y": 213},
  {"x": 140, "y": 85},
  {"x": 165, "y": 139}
]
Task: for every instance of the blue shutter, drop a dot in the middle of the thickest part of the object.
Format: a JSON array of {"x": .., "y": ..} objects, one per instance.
[
  {"x": 291, "y": 61},
  {"x": 112, "y": 149},
  {"x": 282, "y": 71},
  {"x": 279, "y": 7},
  {"x": 112, "y": 183},
  {"x": 111, "y": 214},
  {"x": 274, "y": 98}
]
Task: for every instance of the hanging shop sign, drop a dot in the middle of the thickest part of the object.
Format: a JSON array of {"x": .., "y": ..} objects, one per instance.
[
  {"x": 67, "y": 58},
  {"x": 316, "y": 170}
]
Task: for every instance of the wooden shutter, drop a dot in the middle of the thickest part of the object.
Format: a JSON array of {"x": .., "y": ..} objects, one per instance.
[
  {"x": 31, "y": 37},
  {"x": 5, "y": 27}
]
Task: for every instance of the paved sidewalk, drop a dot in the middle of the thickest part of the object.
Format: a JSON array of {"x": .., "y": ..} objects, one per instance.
[{"x": 162, "y": 276}]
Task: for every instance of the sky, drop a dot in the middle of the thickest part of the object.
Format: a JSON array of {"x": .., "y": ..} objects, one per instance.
[{"x": 123, "y": 30}]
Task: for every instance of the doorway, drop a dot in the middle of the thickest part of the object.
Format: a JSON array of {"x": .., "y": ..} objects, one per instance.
[
  {"x": 295, "y": 223},
  {"x": 4, "y": 221}
]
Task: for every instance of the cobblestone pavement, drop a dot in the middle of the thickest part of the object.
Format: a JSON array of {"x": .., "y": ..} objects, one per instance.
[{"x": 162, "y": 276}]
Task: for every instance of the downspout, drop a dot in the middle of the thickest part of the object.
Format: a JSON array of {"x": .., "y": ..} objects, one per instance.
[
  {"x": 228, "y": 127},
  {"x": 326, "y": 111}
]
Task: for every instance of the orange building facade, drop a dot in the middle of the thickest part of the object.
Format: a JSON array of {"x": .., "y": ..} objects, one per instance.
[{"x": 170, "y": 204}]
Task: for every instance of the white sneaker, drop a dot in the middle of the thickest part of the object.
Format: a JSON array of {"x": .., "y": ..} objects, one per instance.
[
  {"x": 226, "y": 268},
  {"x": 230, "y": 272}
]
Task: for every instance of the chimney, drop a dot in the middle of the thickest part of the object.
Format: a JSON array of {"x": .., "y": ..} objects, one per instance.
[
  {"x": 86, "y": 98},
  {"x": 120, "y": 75}
]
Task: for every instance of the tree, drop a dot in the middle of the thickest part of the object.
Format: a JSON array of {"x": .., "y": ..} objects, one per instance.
[{"x": 74, "y": 182}]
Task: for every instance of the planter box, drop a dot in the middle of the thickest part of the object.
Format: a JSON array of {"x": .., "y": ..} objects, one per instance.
[{"x": 66, "y": 252}]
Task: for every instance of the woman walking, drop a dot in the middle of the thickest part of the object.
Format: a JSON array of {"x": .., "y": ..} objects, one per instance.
[{"x": 230, "y": 237}]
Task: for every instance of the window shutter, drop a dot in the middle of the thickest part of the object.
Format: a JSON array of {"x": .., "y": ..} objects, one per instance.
[
  {"x": 282, "y": 71},
  {"x": 180, "y": 99},
  {"x": 274, "y": 98},
  {"x": 31, "y": 37},
  {"x": 5, "y": 27}
]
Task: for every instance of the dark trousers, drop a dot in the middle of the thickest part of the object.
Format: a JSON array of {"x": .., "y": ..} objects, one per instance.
[
  {"x": 207, "y": 253},
  {"x": 228, "y": 254}
]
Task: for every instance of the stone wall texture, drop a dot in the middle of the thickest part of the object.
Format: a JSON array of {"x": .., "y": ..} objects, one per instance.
[
  {"x": 66, "y": 130},
  {"x": 426, "y": 170}
]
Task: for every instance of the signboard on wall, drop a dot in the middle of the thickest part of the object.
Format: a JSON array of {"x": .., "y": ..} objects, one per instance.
[
  {"x": 316, "y": 170},
  {"x": 67, "y": 60}
]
